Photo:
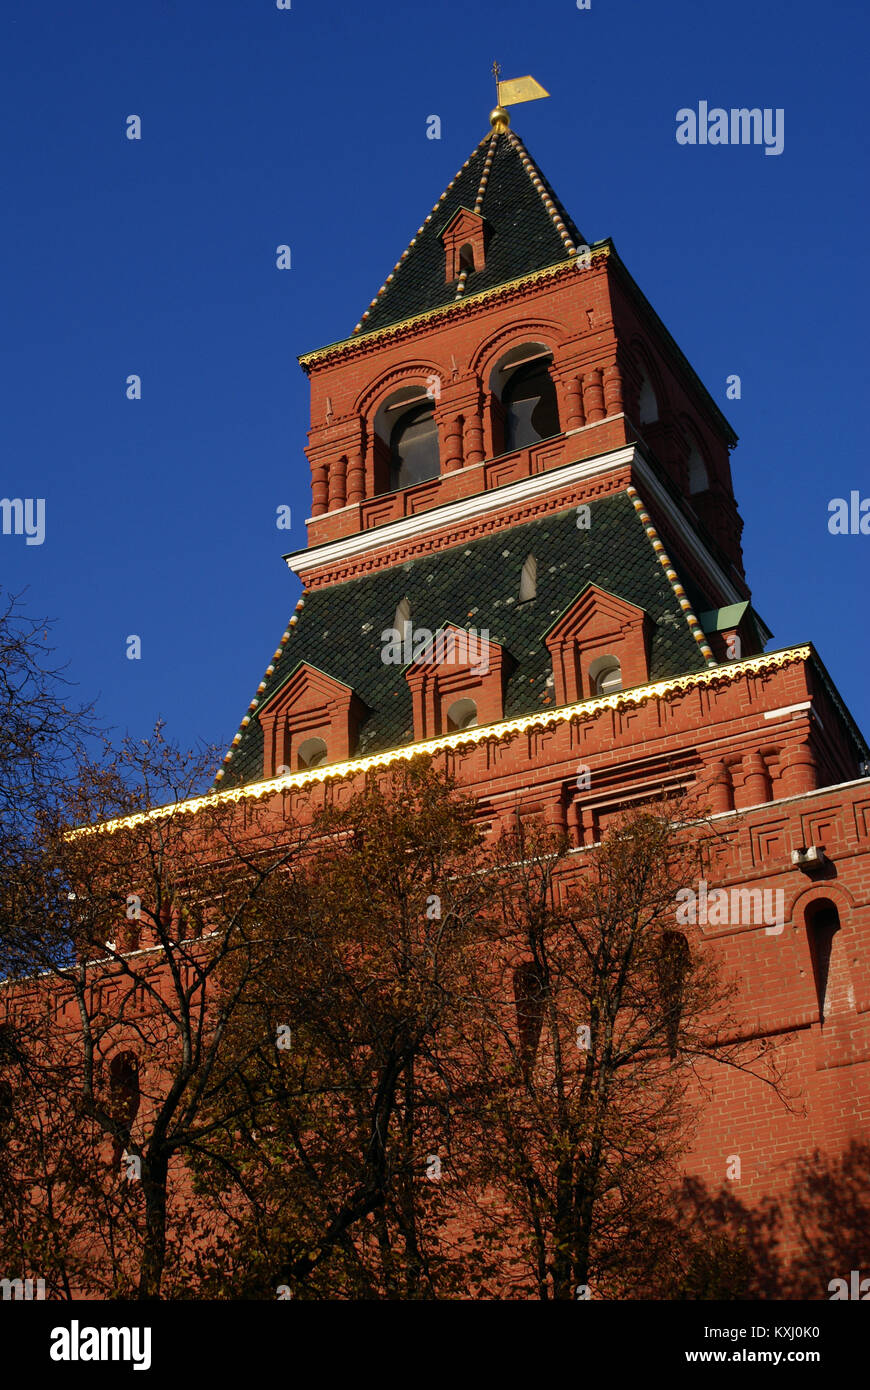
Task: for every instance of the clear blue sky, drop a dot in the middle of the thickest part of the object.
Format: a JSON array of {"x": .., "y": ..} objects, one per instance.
[{"x": 308, "y": 127}]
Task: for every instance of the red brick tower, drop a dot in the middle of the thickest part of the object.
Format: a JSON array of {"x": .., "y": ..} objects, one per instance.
[{"x": 511, "y": 457}]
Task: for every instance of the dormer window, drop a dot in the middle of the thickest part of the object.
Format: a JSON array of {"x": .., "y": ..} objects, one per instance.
[
  {"x": 605, "y": 675},
  {"x": 599, "y": 645},
  {"x": 462, "y": 714},
  {"x": 312, "y": 753},
  {"x": 464, "y": 239},
  {"x": 310, "y": 713}
]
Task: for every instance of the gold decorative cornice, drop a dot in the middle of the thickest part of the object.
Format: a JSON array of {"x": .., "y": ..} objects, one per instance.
[
  {"x": 361, "y": 341},
  {"x": 488, "y": 733}
]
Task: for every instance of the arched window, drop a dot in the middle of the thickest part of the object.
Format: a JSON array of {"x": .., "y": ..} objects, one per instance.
[
  {"x": 466, "y": 257},
  {"x": 823, "y": 923},
  {"x": 462, "y": 714},
  {"x": 672, "y": 965},
  {"x": 605, "y": 675},
  {"x": 523, "y": 401},
  {"x": 529, "y": 579},
  {"x": 648, "y": 405},
  {"x": 311, "y": 753},
  {"x": 414, "y": 447},
  {"x": 529, "y": 1000},
  {"x": 531, "y": 411}
]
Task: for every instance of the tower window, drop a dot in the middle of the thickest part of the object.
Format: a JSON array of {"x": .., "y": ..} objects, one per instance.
[
  {"x": 699, "y": 480},
  {"x": 531, "y": 411},
  {"x": 311, "y": 753},
  {"x": 648, "y": 405},
  {"x": 414, "y": 447},
  {"x": 529, "y": 579},
  {"x": 466, "y": 257},
  {"x": 605, "y": 675},
  {"x": 462, "y": 714}
]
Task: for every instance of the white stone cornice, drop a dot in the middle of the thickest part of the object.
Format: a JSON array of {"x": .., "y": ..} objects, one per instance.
[
  {"x": 468, "y": 508},
  {"x": 394, "y": 533}
]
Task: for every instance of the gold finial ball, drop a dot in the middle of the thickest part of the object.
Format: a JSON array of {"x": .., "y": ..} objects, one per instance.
[{"x": 499, "y": 119}]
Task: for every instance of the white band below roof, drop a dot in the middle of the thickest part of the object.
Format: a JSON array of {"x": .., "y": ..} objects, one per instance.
[{"x": 412, "y": 527}]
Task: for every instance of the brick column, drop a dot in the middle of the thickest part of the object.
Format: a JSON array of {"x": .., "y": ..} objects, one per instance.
[
  {"x": 473, "y": 441},
  {"x": 799, "y": 772},
  {"x": 459, "y": 417},
  {"x": 270, "y": 760},
  {"x": 756, "y": 783},
  {"x": 337, "y": 476},
  {"x": 356, "y": 476},
  {"x": 569, "y": 398},
  {"x": 613, "y": 389},
  {"x": 319, "y": 488},
  {"x": 718, "y": 788},
  {"x": 593, "y": 396},
  {"x": 450, "y": 430},
  {"x": 574, "y": 417},
  {"x": 555, "y": 811}
]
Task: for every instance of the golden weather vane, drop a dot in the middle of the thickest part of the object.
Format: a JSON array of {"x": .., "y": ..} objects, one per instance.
[{"x": 511, "y": 93}]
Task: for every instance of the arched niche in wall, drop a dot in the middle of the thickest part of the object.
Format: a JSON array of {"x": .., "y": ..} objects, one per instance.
[
  {"x": 828, "y": 954},
  {"x": 124, "y": 1098}
]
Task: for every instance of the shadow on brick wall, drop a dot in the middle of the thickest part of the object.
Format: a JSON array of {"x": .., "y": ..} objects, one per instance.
[{"x": 717, "y": 1247}]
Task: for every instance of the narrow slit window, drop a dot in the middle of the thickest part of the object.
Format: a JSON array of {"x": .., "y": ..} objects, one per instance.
[{"x": 529, "y": 579}]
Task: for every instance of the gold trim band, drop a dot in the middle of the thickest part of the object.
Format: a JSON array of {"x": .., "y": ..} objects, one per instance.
[{"x": 625, "y": 699}]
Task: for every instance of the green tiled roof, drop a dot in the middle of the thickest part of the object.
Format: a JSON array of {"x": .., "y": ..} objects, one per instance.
[
  {"x": 521, "y": 235},
  {"x": 477, "y": 585}
]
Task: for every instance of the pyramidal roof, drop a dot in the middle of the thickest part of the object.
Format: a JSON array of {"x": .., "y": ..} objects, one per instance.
[{"x": 526, "y": 226}]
